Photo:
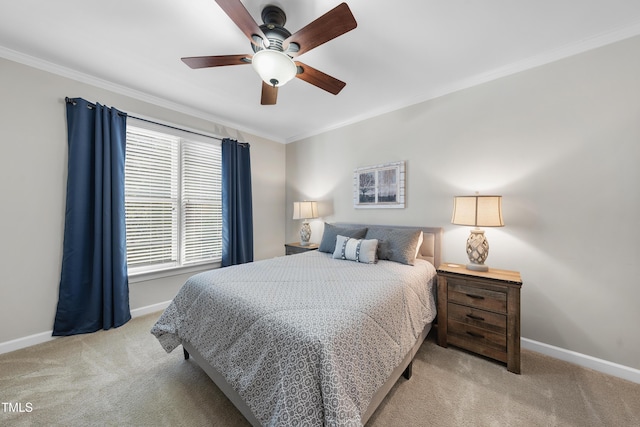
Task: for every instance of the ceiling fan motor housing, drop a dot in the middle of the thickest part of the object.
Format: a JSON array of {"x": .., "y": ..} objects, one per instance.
[{"x": 274, "y": 19}]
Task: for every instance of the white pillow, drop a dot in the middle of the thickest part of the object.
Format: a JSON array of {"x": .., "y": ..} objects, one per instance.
[{"x": 359, "y": 250}]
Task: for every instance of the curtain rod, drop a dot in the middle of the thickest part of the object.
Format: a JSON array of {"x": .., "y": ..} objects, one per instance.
[{"x": 92, "y": 106}]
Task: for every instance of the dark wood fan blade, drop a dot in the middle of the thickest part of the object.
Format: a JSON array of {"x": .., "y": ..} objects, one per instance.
[
  {"x": 243, "y": 19},
  {"x": 216, "y": 61},
  {"x": 332, "y": 24},
  {"x": 319, "y": 79},
  {"x": 269, "y": 94}
]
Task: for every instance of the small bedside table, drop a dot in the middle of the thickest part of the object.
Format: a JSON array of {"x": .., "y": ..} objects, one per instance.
[
  {"x": 297, "y": 248},
  {"x": 480, "y": 312}
]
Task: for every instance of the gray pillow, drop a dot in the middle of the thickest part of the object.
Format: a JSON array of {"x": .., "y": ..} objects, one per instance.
[
  {"x": 396, "y": 244},
  {"x": 328, "y": 242},
  {"x": 359, "y": 250}
]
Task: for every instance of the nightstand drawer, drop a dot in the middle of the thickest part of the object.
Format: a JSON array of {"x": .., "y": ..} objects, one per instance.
[
  {"x": 492, "y": 322},
  {"x": 477, "y": 340},
  {"x": 462, "y": 292}
]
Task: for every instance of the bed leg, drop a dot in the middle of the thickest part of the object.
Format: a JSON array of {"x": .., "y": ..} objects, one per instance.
[
  {"x": 407, "y": 372},
  {"x": 186, "y": 353}
]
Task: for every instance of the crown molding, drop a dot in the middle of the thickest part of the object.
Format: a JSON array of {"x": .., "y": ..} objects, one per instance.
[
  {"x": 548, "y": 57},
  {"x": 69, "y": 73}
]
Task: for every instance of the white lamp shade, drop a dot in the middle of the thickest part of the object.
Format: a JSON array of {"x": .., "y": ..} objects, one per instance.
[
  {"x": 274, "y": 66},
  {"x": 477, "y": 211},
  {"x": 305, "y": 210}
]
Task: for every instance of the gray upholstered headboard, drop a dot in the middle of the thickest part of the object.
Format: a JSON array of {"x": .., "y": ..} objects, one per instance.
[{"x": 431, "y": 243}]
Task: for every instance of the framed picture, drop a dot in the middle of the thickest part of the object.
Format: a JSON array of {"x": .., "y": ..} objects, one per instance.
[{"x": 379, "y": 186}]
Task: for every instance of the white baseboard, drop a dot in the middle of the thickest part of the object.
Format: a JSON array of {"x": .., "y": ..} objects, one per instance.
[
  {"x": 600, "y": 365},
  {"x": 143, "y": 311},
  {"x": 19, "y": 343}
]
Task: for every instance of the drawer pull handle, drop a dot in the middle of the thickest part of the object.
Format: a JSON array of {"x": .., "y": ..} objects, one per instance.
[
  {"x": 475, "y": 296},
  {"x": 473, "y": 334},
  {"x": 471, "y": 316}
]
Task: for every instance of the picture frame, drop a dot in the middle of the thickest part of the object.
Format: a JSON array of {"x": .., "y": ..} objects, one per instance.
[{"x": 379, "y": 186}]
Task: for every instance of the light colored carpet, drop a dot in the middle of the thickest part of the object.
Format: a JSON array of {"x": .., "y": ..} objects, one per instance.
[{"x": 122, "y": 377}]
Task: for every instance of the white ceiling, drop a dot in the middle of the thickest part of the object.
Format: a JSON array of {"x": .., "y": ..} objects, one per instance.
[{"x": 401, "y": 53}]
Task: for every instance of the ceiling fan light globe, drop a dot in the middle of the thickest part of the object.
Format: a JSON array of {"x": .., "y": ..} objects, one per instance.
[{"x": 273, "y": 65}]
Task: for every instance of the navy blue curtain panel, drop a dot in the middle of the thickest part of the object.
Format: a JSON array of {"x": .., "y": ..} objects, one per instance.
[
  {"x": 94, "y": 287},
  {"x": 237, "y": 212}
]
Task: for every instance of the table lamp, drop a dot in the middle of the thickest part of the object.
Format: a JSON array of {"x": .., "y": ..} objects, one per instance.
[
  {"x": 305, "y": 211},
  {"x": 477, "y": 211}
]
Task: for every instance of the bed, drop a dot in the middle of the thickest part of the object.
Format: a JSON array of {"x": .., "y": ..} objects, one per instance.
[{"x": 316, "y": 338}]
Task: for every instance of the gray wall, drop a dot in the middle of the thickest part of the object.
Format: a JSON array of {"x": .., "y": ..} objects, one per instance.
[
  {"x": 33, "y": 163},
  {"x": 561, "y": 143}
]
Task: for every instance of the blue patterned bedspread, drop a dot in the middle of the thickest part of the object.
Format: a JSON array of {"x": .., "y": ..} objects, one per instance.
[{"x": 303, "y": 339}]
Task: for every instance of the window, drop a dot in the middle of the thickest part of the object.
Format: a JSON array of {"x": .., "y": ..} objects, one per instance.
[{"x": 173, "y": 200}]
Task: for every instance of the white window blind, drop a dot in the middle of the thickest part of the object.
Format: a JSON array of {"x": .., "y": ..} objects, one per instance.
[
  {"x": 201, "y": 202},
  {"x": 173, "y": 201}
]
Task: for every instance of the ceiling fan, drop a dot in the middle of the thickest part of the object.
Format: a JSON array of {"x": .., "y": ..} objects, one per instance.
[{"x": 275, "y": 47}]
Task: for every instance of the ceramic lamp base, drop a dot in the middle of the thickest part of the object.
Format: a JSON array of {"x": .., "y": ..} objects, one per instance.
[
  {"x": 305, "y": 234},
  {"x": 477, "y": 250}
]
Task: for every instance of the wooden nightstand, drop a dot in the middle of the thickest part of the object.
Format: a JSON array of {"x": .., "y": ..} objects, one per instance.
[
  {"x": 480, "y": 312},
  {"x": 297, "y": 248}
]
